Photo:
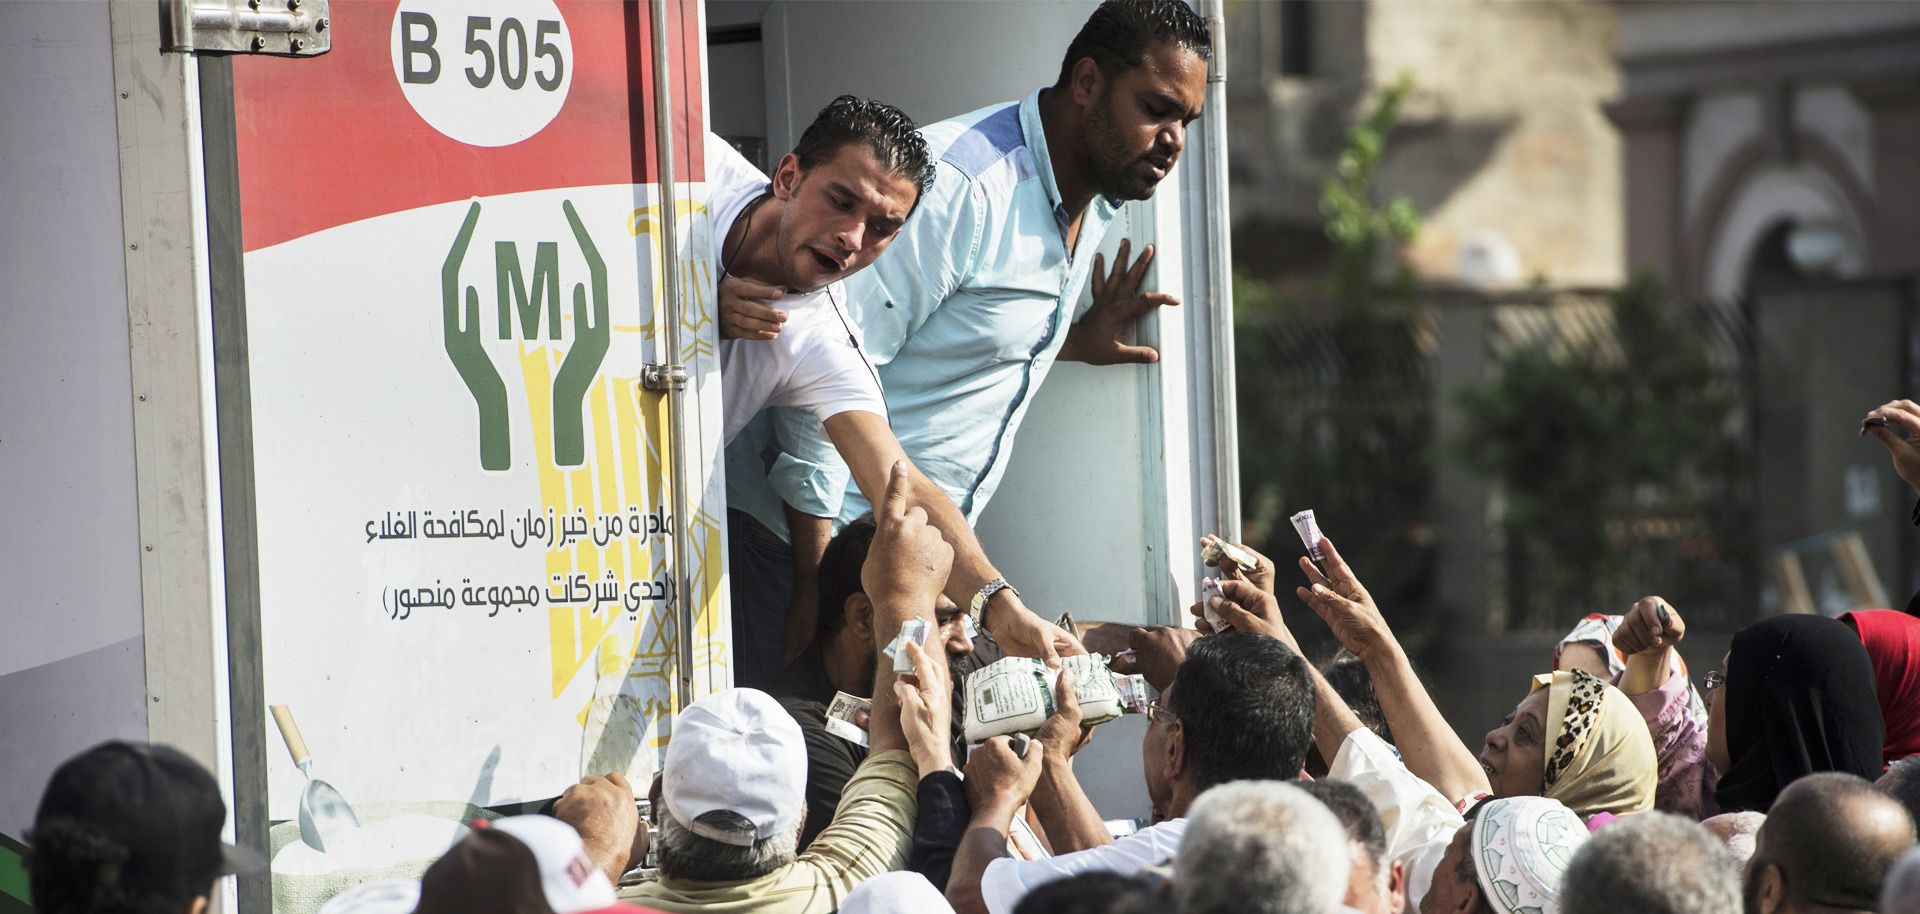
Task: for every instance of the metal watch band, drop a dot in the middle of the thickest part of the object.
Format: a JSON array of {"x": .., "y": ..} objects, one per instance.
[{"x": 978, "y": 609}]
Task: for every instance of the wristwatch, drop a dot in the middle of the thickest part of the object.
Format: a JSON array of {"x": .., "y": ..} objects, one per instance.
[{"x": 978, "y": 609}]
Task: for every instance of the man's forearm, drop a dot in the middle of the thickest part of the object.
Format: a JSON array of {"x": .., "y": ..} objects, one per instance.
[
  {"x": 1432, "y": 751},
  {"x": 1333, "y": 720},
  {"x": 1071, "y": 822},
  {"x": 807, "y": 536},
  {"x": 984, "y": 842}
]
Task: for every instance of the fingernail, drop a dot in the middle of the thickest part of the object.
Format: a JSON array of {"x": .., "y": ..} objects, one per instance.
[{"x": 1319, "y": 589}]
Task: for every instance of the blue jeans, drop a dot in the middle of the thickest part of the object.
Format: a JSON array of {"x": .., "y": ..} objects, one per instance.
[{"x": 762, "y": 590}]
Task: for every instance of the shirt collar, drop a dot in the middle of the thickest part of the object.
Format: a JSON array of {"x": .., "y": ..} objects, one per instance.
[{"x": 1035, "y": 133}]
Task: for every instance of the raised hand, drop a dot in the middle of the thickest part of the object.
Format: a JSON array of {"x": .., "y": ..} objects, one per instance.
[
  {"x": 926, "y": 709},
  {"x": 1341, "y": 601},
  {"x": 1651, "y": 625},
  {"x": 907, "y": 564},
  {"x": 1157, "y": 653},
  {"x": 1062, "y": 734},
  {"x": 601, "y": 809},
  {"x": 1262, "y": 576},
  {"x": 746, "y": 309},
  {"x": 1117, "y": 303},
  {"x": 999, "y": 782},
  {"x": 1249, "y": 609},
  {"x": 1897, "y": 426}
]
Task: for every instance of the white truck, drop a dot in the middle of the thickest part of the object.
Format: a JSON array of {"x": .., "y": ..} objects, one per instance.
[{"x": 367, "y": 347}]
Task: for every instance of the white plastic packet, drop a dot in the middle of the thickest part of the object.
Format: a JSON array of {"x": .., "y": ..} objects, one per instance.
[{"x": 1015, "y": 695}]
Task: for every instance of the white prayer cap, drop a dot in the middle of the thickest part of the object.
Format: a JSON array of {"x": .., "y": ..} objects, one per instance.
[{"x": 1521, "y": 848}]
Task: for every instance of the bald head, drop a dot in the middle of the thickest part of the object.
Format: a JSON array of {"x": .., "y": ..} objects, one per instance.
[
  {"x": 1737, "y": 830},
  {"x": 1829, "y": 840}
]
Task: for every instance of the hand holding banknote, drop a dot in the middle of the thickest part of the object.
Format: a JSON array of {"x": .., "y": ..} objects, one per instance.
[
  {"x": 926, "y": 710},
  {"x": 1340, "y": 600},
  {"x": 1249, "y": 609}
]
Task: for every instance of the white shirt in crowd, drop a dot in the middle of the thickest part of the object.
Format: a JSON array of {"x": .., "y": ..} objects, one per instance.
[
  {"x": 815, "y": 363},
  {"x": 1008, "y": 880},
  {"x": 1419, "y": 822}
]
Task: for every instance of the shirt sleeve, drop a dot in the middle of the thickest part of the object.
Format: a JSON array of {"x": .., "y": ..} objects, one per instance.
[
  {"x": 1686, "y": 778},
  {"x": 1008, "y": 880},
  {"x": 1419, "y": 822},
  {"x": 808, "y": 474},
  {"x": 939, "y": 827},
  {"x": 830, "y": 377},
  {"x": 831, "y": 763},
  {"x": 872, "y": 832},
  {"x": 932, "y": 256}
]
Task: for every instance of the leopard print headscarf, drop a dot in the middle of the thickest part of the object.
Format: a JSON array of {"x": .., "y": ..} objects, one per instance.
[{"x": 1599, "y": 753}]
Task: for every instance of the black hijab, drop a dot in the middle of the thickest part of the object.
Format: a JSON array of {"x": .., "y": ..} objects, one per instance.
[{"x": 1800, "y": 699}]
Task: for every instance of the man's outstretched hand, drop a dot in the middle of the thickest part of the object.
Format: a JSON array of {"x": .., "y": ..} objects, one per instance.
[{"x": 1117, "y": 303}]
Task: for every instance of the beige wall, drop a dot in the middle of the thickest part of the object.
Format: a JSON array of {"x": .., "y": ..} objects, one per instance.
[{"x": 1503, "y": 133}]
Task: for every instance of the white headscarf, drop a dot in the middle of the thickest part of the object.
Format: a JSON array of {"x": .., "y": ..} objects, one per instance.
[{"x": 1521, "y": 847}]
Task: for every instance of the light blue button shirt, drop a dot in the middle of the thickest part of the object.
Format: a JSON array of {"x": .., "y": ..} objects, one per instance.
[{"x": 964, "y": 315}]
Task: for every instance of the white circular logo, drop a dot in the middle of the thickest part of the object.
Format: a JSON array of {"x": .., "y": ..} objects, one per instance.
[{"x": 484, "y": 72}]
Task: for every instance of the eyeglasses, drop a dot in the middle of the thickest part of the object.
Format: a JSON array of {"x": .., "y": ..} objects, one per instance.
[
  {"x": 1715, "y": 679},
  {"x": 1155, "y": 710}
]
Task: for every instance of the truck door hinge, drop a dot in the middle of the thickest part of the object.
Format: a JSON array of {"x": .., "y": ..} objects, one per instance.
[
  {"x": 656, "y": 376},
  {"x": 288, "y": 28}
]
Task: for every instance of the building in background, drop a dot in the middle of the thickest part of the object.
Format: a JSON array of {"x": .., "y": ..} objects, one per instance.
[
  {"x": 1769, "y": 140},
  {"x": 1503, "y": 145}
]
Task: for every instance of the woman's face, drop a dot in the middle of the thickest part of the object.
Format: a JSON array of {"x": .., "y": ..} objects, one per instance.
[
  {"x": 1717, "y": 722},
  {"x": 1515, "y": 756}
]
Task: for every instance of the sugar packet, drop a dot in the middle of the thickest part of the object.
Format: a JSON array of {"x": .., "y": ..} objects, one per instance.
[
  {"x": 1309, "y": 530},
  {"x": 844, "y": 715},
  {"x": 1093, "y": 688},
  {"x": 914, "y": 630}
]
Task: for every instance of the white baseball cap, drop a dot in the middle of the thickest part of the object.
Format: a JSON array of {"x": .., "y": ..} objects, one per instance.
[
  {"x": 567, "y": 876},
  {"x": 738, "y": 751}
]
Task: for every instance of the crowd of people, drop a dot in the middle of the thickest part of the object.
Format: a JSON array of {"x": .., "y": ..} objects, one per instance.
[{"x": 1786, "y": 779}]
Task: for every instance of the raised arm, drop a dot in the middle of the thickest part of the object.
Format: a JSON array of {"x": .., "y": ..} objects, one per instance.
[
  {"x": 1432, "y": 750},
  {"x": 1649, "y": 634},
  {"x": 905, "y": 568},
  {"x": 998, "y": 784},
  {"x": 1065, "y": 813},
  {"x": 868, "y": 446}
]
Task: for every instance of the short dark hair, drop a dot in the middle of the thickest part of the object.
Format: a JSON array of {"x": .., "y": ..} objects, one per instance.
[
  {"x": 888, "y": 131},
  {"x": 1119, "y": 32},
  {"x": 1812, "y": 835},
  {"x": 1347, "y": 675},
  {"x": 1092, "y": 893},
  {"x": 1356, "y": 814},
  {"x": 840, "y": 574},
  {"x": 1245, "y": 706}
]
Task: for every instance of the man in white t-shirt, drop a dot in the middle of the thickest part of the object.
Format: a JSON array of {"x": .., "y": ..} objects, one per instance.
[{"x": 832, "y": 206}]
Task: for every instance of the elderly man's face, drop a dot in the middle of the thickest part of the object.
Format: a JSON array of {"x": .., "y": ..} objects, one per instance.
[
  {"x": 1449, "y": 893},
  {"x": 1370, "y": 891}
]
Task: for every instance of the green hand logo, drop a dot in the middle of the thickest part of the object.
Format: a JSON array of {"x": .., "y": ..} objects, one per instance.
[
  {"x": 592, "y": 334},
  {"x": 470, "y": 357},
  {"x": 584, "y": 356}
]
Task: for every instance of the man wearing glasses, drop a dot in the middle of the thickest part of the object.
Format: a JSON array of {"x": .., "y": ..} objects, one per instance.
[{"x": 1239, "y": 708}]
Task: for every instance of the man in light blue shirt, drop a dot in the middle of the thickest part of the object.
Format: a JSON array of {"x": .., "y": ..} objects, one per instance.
[{"x": 968, "y": 310}]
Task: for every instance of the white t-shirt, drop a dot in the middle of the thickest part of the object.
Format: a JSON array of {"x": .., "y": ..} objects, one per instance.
[
  {"x": 815, "y": 363},
  {"x": 1008, "y": 880}
]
